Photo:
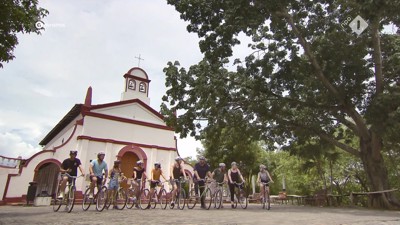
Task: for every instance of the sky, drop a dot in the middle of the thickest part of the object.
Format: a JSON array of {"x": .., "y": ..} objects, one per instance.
[{"x": 88, "y": 43}]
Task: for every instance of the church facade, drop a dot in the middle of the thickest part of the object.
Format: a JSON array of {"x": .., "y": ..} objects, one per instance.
[{"x": 128, "y": 130}]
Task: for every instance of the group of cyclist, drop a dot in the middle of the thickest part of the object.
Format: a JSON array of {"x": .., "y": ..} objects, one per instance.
[{"x": 98, "y": 167}]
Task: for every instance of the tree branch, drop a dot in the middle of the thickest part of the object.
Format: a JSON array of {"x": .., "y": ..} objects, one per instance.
[
  {"x": 363, "y": 129},
  {"x": 376, "y": 40},
  {"x": 339, "y": 144}
]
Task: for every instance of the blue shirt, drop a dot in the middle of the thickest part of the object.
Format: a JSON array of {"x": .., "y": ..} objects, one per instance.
[{"x": 98, "y": 168}]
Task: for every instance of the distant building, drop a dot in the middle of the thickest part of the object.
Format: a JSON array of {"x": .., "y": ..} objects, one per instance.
[{"x": 128, "y": 130}]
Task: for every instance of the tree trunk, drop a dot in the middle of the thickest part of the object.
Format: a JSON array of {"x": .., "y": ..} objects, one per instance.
[{"x": 375, "y": 169}]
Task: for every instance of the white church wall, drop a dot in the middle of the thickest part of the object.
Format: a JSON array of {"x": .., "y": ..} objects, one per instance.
[
  {"x": 132, "y": 111},
  {"x": 115, "y": 130},
  {"x": 62, "y": 136}
]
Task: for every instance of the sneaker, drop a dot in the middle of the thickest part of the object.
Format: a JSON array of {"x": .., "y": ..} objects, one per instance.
[
  {"x": 115, "y": 207},
  {"x": 172, "y": 204},
  {"x": 90, "y": 196},
  {"x": 61, "y": 196},
  {"x": 137, "y": 206},
  {"x": 232, "y": 205}
]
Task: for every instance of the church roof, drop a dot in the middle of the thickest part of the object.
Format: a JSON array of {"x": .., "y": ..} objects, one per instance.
[{"x": 67, "y": 119}]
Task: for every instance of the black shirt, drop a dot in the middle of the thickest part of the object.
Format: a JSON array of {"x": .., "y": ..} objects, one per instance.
[
  {"x": 71, "y": 164},
  {"x": 139, "y": 173},
  {"x": 202, "y": 170}
]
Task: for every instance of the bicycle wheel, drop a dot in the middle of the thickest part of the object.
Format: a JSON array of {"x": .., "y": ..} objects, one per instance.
[
  {"x": 163, "y": 199},
  {"x": 191, "y": 199},
  {"x": 207, "y": 198},
  {"x": 71, "y": 199},
  {"x": 144, "y": 199},
  {"x": 121, "y": 198},
  {"x": 101, "y": 199},
  {"x": 181, "y": 199},
  {"x": 153, "y": 199},
  {"x": 268, "y": 200},
  {"x": 218, "y": 199},
  {"x": 243, "y": 200},
  {"x": 131, "y": 198},
  {"x": 56, "y": 201},
  {"x": 110, "y": 198},
  {"x": 264, "y": 200},
  {"x": 86, "y": 201}
]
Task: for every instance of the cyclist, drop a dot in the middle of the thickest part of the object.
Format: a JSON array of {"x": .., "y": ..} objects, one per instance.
[
  {"x": 219, "y": 175},
  {"x": 70, "y": 166},
  {"x": 138, "y": 173},
  {"x": 96, "y": 168},
  {"x": 201, "y": 171},
  {"x": 177, "y": 171},
  {"x": 234, "y": 175},
  {"x": 115, "y": 175},
  {"x": 263, "y": 177},
  {"x": 156, "y": 173}
]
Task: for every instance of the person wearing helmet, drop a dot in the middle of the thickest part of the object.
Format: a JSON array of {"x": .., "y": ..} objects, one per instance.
[
  {"x": 201, "y": 171},
  {"x": 97, "y": 167},
  {"x": 264, "y": 177},
  {"x": 177, "y": 172},
  {"x": 116, "y": 176},
  {"x": 156, "y": 174},
  {"x": 139, "y": 175},
  {"x": 219, "y": 174},
  {"x": 70, "y": 166},
  {"x": 234, "y": 178}
]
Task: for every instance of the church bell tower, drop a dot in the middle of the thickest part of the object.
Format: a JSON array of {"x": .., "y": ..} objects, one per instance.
[{"x": 136, "y": 85}]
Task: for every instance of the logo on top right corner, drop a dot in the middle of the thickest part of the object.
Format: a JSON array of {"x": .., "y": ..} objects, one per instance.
[{"x": 358, "y": 25}]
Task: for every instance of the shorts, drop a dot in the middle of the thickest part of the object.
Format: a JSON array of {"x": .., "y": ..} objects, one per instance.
[
  {"x": 265, "y": 181},
  {"x": 153, "y": 184},
  {"x": 69, "y": 178},
  {"x": 99, "y": 180},
  {"x": 113, "y": 185}
]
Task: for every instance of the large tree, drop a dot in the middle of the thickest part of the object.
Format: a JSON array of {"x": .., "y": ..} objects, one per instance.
[
  {"x": 17, "y": 16},
  {"x": 309, "y": 75}
]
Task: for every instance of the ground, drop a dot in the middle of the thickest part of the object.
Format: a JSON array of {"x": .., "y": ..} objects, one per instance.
[{"x": 279, "y": 214}]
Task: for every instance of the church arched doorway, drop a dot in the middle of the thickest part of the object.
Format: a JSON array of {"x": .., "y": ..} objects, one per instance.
[
  {"x": 46, "y": 174},
  {"x": 129, "y": 155}
]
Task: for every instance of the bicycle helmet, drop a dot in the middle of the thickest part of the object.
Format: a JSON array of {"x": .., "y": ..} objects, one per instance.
[
  {"x": 157, "y": 164},
  {"x": 178, "y": 158},
  {"x": 139, "y": 162},
  {"x": 101, "y": 153},
  {"x": 222, "y": 165},
  {"x": 202, "y": 158},
  {"x": 233, "y": 164},
  {"x": 263, "y": 166},
  {"x": 73, "y": 152},
  {"x": 117, "y": 162}
]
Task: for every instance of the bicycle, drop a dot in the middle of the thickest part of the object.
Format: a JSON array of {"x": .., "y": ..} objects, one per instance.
[
  {"x": 156, "y": 198},
  {"x": 134, "y": 197},
  {"x": 88, "y": 200},
  {"x": 218, "y": 195},
  {"x": 240, "y": 196},
  {"x": 119, "y": 198},
  {"x": 180, "y": 197},
  {"x": 265, "y": 197},
  {"x": 68, "y": 197},
  {"x": 206, "y": 195}
]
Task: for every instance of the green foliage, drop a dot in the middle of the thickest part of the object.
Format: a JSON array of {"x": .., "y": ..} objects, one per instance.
[
  {"x": 17, "y": 16},
  {"x": 308, "y": 79}
]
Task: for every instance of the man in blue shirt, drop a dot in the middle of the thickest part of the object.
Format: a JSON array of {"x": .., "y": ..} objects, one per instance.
[
  {"x": 97, "y": 168},
  {"x": 201, "y": 171}
]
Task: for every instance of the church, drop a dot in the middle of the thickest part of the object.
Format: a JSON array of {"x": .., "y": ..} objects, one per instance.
[{"x": 128, "y": 130}]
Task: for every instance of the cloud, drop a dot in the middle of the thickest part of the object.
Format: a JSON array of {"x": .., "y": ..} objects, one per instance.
[
  {"x": 12, "y": 145},
  {"x": 95, "y": 46}
]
